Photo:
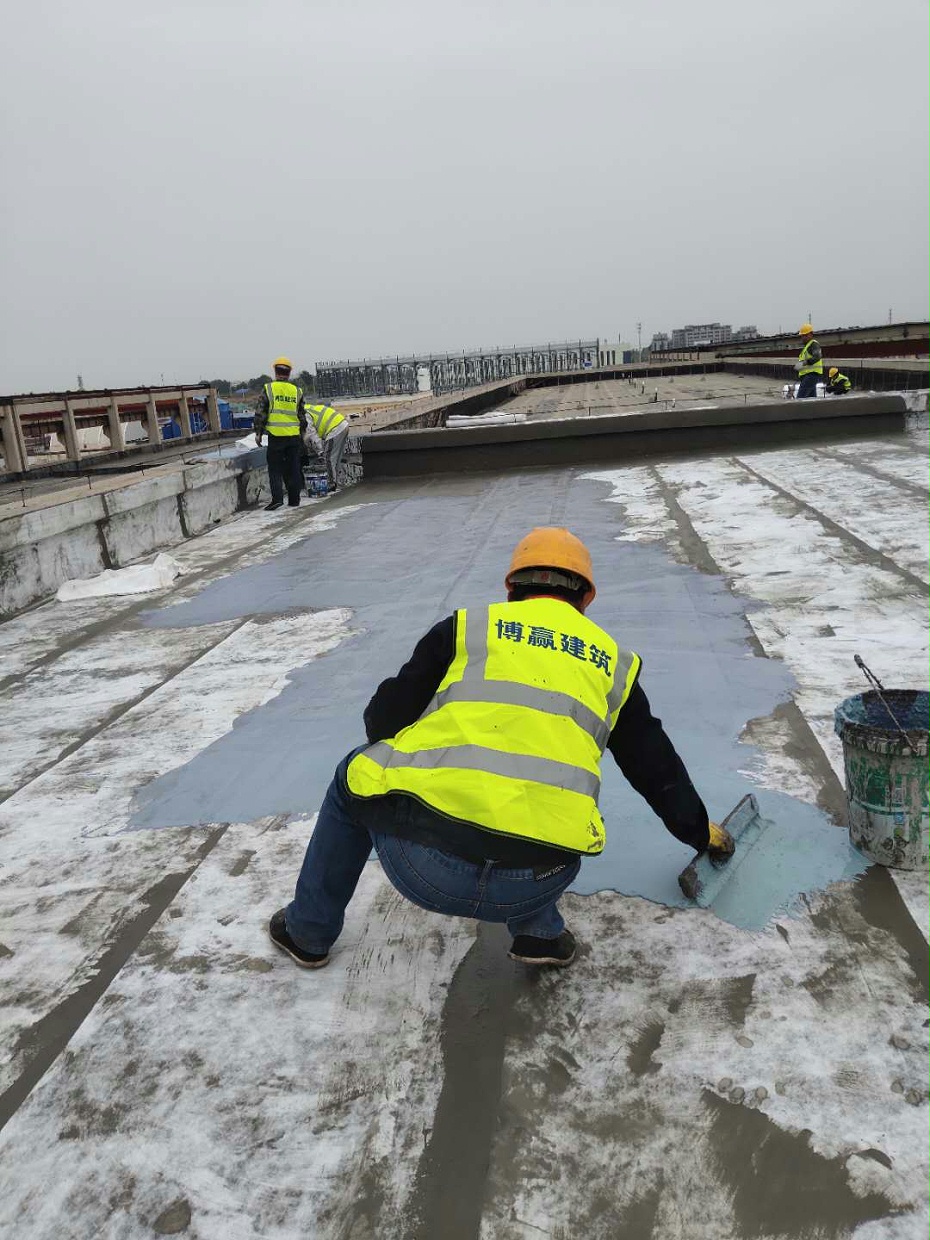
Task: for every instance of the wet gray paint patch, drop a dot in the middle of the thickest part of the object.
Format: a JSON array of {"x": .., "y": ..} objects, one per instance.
[{"x": 405, "y": 562}]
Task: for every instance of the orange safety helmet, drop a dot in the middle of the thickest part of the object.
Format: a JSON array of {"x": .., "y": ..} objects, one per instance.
[{"x": 552, "y": 547}]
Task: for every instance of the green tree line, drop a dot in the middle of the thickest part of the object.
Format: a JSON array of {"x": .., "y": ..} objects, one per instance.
[{"x": 228, "y": 387}]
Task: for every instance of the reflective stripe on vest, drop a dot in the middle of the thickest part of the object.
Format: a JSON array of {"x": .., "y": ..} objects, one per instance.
[
  {"x": 807, "y": 366},
  {"x": 512, "y": 740},
  {"x": 841, "y": 381},
  {"x": 283, "y": 399},
  {"x": 325, "y": 419}
]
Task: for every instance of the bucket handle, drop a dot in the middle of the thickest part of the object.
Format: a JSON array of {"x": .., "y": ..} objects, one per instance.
[{"x": 879, "y": 687}]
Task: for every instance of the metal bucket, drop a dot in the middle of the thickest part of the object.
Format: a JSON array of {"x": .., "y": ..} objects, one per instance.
[
  {"x": 885, "y": 757},
  {"x": 317, "y": 484}
]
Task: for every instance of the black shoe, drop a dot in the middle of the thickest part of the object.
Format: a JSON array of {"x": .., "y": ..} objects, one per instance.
[
  {"x": 293, "y": 503},
  {"x": 277, "y": 931},
  {"x": 560, "y": 951},
  {"x": 274, "y": 505}
]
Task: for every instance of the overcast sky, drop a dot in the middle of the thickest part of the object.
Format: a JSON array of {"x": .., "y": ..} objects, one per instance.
[{"x": 191, "y": 188}]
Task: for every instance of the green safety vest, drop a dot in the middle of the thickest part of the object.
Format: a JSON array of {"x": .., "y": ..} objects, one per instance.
[
  {"x": 513, "y": 739},
  {"x": 324, "y": 419},
  {"x": 840, "y": 380},
  {"x": 283, "y": 399},
  {"x": 808, "y": 367}
]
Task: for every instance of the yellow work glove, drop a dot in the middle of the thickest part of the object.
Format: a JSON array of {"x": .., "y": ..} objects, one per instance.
[{"x": 721, "y": 844}]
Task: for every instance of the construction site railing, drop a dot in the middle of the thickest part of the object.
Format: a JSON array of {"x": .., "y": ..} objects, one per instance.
[{"x": 36, "y": 429}]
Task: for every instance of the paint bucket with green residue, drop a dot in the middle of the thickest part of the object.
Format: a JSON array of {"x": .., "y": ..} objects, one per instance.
[{"x": 884, "y": 739}]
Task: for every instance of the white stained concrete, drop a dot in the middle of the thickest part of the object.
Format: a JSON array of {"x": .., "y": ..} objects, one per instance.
[
  {"x": 54, "y": 542},
  {"x": 53, "y": 828},
  {"x": 272, "y": 1102},
  {"x": 249, "y": 538},
  {"x": 131, "y": 703},
  {"x": 602, "y": 397},
  {"x": 837, "y": 557}
]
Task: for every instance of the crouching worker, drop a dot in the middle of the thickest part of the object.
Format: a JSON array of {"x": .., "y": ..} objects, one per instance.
[
  {"x": 839, "y": 384},
  {"x": 331, "y": 430},
  {"x": 478, "y": 788}
]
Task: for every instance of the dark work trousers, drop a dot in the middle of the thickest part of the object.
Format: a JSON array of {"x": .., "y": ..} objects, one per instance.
[
  {"x": 807, "y": 385},
  {"x": 284, "y": 468}
]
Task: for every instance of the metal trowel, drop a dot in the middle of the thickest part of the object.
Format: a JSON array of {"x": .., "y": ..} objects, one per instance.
[{"x": 702, "y": 880}]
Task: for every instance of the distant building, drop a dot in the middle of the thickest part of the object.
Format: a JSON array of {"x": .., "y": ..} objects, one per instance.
[
  {"x": 614, "y": 354},
  {"x": 701, "y": 335}
]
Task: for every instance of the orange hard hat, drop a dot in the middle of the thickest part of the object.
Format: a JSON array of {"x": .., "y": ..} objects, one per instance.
[{"x": 552, "y": 547}]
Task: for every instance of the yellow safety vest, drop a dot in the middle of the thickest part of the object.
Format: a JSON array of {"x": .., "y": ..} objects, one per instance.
[
  {"x": 513, "y": 739},
  {"x": 283, "y": 399},
  {"x": 324, "y": 419},
  {"x": 812, "y": 368},
  {"x": 841, "y": 381}
]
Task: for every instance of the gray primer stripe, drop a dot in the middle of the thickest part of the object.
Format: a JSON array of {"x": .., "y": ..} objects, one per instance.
[
  {"x": 511, "y": 693},
  {"x": 476, "y": 645},
  {"x": 491, "y": 762},
  {"x": 615, "y": 697}
]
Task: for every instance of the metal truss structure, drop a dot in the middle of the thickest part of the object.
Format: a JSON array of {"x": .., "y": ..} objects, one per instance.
[{"x": 449, "y": 372}]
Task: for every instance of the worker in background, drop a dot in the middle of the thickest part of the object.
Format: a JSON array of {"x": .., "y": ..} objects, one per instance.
[
  {"x": 839, "y": 384},
  {"x": 332, "y": 431},
  {"x": 809, "y": 364},
  {"x": 282, "y": 417},
  {"x": 478, "y": 787}
]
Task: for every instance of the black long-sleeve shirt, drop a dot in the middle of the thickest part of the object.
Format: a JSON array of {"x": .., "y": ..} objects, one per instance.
[{"x": 638, "y": 744}]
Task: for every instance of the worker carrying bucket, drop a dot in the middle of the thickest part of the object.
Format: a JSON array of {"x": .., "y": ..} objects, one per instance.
[
  {"x": 884, "y": 735},
  {"x": 478, "y": 786}
]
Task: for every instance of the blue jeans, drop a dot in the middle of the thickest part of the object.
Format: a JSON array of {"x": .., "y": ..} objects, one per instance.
[
  {"x": 807, "y": 385},
  {"x": 340, "y": 846}
]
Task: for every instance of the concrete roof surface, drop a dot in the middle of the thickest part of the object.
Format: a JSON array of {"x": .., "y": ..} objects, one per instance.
[{"x": 748, "y": 1075}]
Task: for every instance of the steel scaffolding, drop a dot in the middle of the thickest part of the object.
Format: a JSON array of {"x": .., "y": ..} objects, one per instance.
[{"x": 449, "y": 372}]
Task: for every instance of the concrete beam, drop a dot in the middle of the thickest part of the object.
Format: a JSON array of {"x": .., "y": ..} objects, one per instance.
[
  {"x": 69, "y": 428},
  {"x": 15, "y": 458},
  {"x": 115, "y": 427},
  {"x": 622, "y": 436},
  {"x": 184, "y": 416},
  {"x": 213, "y": 412},
  {"x": 151, "y": 419}
]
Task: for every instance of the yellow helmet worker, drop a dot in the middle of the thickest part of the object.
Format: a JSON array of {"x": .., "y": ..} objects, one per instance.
[
  {"x": 840, "y": 384},
  {"x": 282, "y": 416},
  {"x": 551, "y": 548},
  {"x": 809, "y": 364},
  {"x": 480, "y": 779}
]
